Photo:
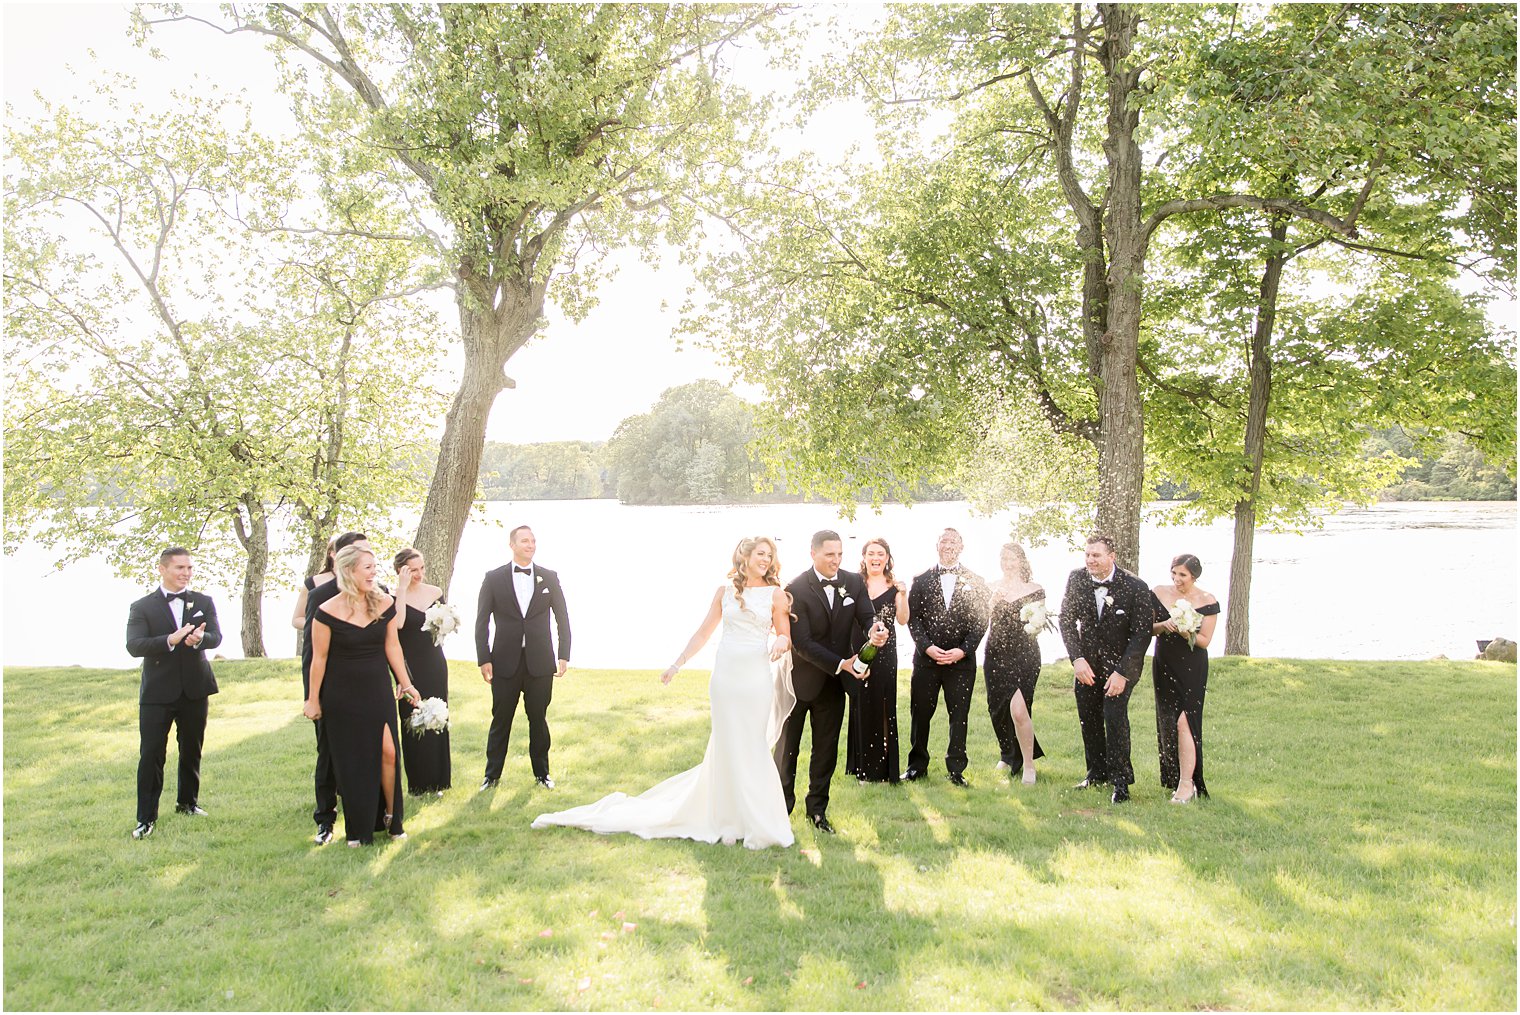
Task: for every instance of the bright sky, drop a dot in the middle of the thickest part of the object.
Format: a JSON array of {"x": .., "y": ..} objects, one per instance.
[{"x": 576, "y": 381}]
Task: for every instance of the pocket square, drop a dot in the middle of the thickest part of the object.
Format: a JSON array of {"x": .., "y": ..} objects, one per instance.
[
  {"x": 847, "y": 601},
  {"x": 543, "y": 592},
  {"x": 197, "y": 613}
]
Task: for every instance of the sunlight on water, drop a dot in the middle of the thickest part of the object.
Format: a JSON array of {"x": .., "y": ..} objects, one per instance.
[{"x": 1395, "y": 581}]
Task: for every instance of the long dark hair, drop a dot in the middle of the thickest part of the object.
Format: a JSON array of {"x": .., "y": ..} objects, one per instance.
[
  {"x": 1026, "y": 573},
  {"x": 1192, "y": 563}
]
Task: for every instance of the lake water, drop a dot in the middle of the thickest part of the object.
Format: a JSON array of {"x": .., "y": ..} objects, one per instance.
[{"x": 1395, "y": 581}]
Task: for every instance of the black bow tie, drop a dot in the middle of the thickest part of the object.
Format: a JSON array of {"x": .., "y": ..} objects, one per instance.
[
  {"x": 521, "y": 570},
  {"x": 1103, "y": 584},
  {"x": 950, "y": 570},
  {"x": 181, "y": 596},
  {"x": 832, "y": 583}
]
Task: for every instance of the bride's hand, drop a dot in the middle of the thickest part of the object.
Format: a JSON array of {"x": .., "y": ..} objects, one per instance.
[
  {"x": 782, "y": 646},
  {"x": 669, "y": 674}
]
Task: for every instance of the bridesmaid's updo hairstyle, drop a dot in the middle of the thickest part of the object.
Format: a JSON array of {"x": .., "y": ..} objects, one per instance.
[
  {"x": 373, "y": 601},
  {"x": 1026, "y": 573},
  {"x": 742, "y": 553},
  {"x": 1192, "y": 563},
  {"x": 886, "y": 572},
  {"x": 404, "y": 557}
]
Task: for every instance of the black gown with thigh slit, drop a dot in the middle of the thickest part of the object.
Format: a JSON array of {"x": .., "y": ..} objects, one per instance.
[
  {"x": 1012, "y": 664},
  {"x": 358, "y": 705},
  {"x": 871, "y": 748},
  {"x": 1180, "y": 676},
  {"x": 425, "y": 755}
]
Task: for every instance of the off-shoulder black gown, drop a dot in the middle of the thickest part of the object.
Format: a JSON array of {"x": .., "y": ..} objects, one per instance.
[
  {"x": 1012, "y": 663},
  {"x": 871, "y": 749},
  {"x": 424, "y": 755},
  {"x": 1181, "y": 676},
  {"x": 358, "y": 703}
]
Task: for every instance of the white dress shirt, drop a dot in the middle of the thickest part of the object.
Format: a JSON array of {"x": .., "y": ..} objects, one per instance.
[
  {"x": 829, "y": 590},
  {"x": 522, "y": 584},
  {"x": 947, "y": 580},
  {"x": 176, "y": 607},
  {"x": 1099, "y": 592}
]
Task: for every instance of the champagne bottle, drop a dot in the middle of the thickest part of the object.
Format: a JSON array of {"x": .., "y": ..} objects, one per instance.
[{"x": 868, "y": 651}]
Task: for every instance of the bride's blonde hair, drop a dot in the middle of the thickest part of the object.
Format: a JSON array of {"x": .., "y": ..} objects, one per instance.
[
  {"x": 742, "y": 554},
  {"x": 373, "y": 601}
]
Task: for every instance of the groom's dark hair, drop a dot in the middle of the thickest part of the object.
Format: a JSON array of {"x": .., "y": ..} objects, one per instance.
[
  {"x": 1105, "y": 539},
  {"x": 172, "y": 552},
  {"x": 348, "y": 539},
  {"x": 823, "y": 536}
]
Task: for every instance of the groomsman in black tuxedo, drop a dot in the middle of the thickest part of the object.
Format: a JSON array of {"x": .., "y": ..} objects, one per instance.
[
  {"x": 323, "y": 777},
  {"x": 948, "y": 619},
  {"x": 521, "y": 662},
  {"x": 826, "y": 603},
  {"x": 1106, "y": 625},
  {"x": 171, "y": 629}
]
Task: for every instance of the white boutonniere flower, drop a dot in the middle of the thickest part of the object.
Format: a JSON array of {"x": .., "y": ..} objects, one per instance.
[
  {"x": 540, "y": 578},
  {"x": 189, "y": 605},
  {"x": 1108, "y": 600}
]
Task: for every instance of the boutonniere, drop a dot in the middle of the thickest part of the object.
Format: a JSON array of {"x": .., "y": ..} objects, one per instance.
[
  {"x": 189, "y": 604},
  {"x": 1108, "y": 599},
  {"x": 540, "y": 578}
]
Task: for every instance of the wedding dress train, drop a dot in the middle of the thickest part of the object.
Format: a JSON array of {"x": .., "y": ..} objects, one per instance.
[{"x": 735, "y": 793}]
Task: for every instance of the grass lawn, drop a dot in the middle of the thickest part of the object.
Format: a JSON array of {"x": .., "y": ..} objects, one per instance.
[{"x": 1359, "y": 852}]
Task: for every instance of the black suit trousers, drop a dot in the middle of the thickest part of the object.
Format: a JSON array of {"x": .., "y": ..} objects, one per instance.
[
  {"x": 325, "y": 780},
  {"x": 535, "y": 693},
  {"x": 826, "y": 711},
  {"x": 1105, "y": 730},
  {"x": 188, "y": 717},
  {"x": 929, "y": 678}
]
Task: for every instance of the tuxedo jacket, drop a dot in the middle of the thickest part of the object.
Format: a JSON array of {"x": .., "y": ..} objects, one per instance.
[
  {"x": 961, "y": 626},
  {"x": 1116, "y": 642},
  {"x": 521, "y": 633},
  {"x": 821, "y": 634},
  {"x": 169, "y": 672}
]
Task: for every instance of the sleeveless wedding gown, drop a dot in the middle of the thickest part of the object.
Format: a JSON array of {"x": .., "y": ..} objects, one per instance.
[{"x": 735, "y": 793}]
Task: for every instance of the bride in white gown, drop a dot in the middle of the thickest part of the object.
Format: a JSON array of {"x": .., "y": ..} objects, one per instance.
[{"x": 735, "y": 793}]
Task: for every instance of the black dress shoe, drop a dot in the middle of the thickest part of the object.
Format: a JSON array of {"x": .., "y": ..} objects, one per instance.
[
  {"x": 956, "y": 779},
  {"x": 1121, "y": 793},
  {"x": 912, "y": 775},
  {"x": 487, "y": 783},
  {"x": 190, "y": 809},
  {"x": 324, "y": 835},
  {"x": 143, "y": 830},
  {"x": 547, "y": 782},
  {"x": 821, "y": 823},
  {"x": 1089, "y": 783}
]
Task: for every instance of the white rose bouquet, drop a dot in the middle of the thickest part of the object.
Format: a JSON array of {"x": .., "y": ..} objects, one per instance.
[
  {"x": 1035, "y": 617},
  {"x": 430, "y": 716},
  {"x": 1188, "y": 620},
  {"x": 442, "y": 620}
]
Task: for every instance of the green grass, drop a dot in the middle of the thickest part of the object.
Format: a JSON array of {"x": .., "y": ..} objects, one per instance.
[{"x": 1359, "y": 852}]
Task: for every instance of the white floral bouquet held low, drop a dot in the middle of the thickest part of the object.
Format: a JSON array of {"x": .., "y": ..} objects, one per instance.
[
  {"x": 1035, "y": 617},
  {"x": 442, "y": 620},
  {"x": 430, "y": 716},
  {"x": 1188, "y": 620}
]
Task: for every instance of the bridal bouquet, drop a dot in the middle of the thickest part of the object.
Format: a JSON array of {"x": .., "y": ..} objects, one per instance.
[
  {"x": 430, "y": 716},
  {"x": 1188, "y": 620},
  {"x": 442, "y": 620},
  {"x": 1035, "y": 617}
]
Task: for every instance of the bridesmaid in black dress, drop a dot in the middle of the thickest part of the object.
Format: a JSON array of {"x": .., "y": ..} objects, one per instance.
[
  {"x": 871, "y": 750},
  {"x": 1180, "y": 674},
  {"x": 1011, "y": 667},
  {"x": 355, "y": 649},
  {"x": 425, "y": 756}
]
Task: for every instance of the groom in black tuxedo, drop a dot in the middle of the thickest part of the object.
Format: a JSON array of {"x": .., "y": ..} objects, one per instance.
[
  {"x": 826, "y": 604},
  {"x": 1106, "y": 624},
  {"x": 171, "y": 629},
  {"x": 521, "y": 662},
  {"x": 948, "y": 613}
]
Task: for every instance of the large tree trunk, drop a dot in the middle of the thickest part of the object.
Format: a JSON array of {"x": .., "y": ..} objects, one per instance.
[
  {"x": 255, "y": 539},
  {"x": 490, "y": 337},
  {"x": 1121, "y": 451},
  {"x": 1237, "y": 639}
]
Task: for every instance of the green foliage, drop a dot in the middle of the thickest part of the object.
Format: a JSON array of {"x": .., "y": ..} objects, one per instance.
[
  {"x": 690, "y": 448},
  {"x": 556, "y": 470},
  {"x": 170, "y": 343},
  {"x": 1449, "y": 468},
  {"x": 1297, "y": 887}
]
